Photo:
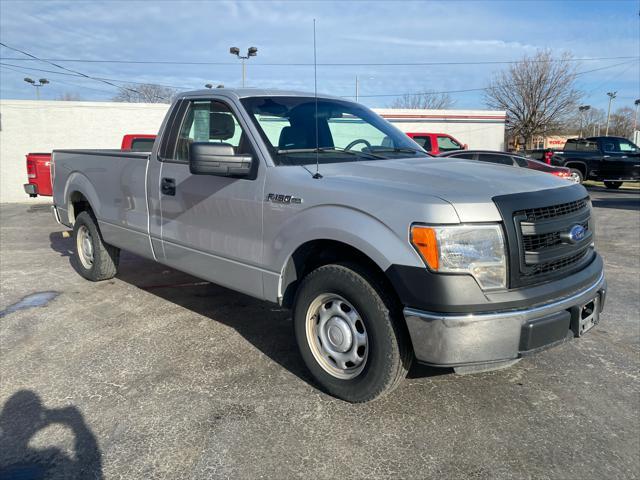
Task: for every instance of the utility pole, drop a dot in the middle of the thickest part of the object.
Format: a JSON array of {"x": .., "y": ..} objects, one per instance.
[
  {"x": 358, "y": 89},
  {"x": 635, "y": 118},
  {"x": 611, "y": 96},
  {"x": 251, "y": 52},
  {"x": 582, "y": 109}
]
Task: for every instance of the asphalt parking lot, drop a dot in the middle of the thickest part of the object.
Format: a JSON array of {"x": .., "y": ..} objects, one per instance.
[{"x": 156, "y": 374}]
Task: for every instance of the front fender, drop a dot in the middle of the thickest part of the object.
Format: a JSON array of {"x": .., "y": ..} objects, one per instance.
[{"x": 344, "y": 224}]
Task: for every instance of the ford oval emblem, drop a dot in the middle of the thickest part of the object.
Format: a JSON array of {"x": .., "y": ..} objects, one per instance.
[{"x": 577, "y": 233}]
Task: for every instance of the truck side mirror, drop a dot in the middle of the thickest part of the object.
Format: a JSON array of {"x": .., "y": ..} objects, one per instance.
[{"x": 218, "y": 159}]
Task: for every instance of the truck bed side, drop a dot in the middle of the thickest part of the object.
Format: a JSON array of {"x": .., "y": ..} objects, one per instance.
[{"x": 113, "y": 184}]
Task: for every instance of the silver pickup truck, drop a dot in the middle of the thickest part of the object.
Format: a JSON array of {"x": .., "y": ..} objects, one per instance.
[{"x": 384, "y": 253}]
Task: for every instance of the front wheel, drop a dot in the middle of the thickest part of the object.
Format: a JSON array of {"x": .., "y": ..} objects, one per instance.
[
  {"x": 349, "y": 333},
  {"x": 612, "y": 185}
]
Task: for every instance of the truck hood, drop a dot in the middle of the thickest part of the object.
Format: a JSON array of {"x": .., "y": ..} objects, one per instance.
[{"x": 469, "y": 186}]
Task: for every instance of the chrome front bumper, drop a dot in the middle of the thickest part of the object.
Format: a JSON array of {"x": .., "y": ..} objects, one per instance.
[{"x": 452, "y": 340}]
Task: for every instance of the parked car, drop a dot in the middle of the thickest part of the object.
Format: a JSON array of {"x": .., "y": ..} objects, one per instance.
[
  {"x": 612, "y": 160},
  {"x": 504, "y": 158},
  {"x": 436, "y": 143},
  {"x": 38, "y": 164},
  {"x": 384, "y": 253}
]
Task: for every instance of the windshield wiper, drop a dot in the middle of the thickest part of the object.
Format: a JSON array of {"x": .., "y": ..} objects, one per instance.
[
  {"x": 328, "y": 150},
  {"x": 398, "y": 149}
]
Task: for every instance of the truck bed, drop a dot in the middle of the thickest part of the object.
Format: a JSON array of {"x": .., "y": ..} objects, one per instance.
[{"x": 115, "y": 181}]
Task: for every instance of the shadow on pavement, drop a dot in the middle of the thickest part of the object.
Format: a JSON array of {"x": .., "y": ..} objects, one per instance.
[
  {"x": 22, "y": 417},
  {"x": 265, "y": 325},
  {"x": 625, "y": 203}
]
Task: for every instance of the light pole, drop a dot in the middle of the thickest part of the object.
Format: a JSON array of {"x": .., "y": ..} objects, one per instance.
[
  {"x": 251, "y": 52},
  {"x": 582, "y": 109},
  {"x": 41, "y": 82},
  {"x": 611, "y": 96},
  {"x": 635, "y": 119}
]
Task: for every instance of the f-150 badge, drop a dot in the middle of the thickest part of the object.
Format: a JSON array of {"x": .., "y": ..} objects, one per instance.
[{"x": 280, "y": 198}]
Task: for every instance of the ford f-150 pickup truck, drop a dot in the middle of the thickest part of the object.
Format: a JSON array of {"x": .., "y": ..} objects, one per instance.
[{"x": 384, "y": 253}]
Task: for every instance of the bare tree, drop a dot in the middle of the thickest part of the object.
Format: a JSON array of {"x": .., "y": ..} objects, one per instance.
[
  {"x": 591, "y": 120},
  {"x": 621, "y": 122},
  {"x": 145, "y": 93},
  {"x": 538, "y": 94},
  {"x": 70, "y": 97},
  {"x": 428, "y": 99}
]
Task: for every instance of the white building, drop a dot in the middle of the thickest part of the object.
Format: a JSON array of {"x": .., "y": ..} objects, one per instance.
[{"x": 40, "y": 126}]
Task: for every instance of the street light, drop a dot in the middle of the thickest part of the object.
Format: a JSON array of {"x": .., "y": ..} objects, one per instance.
[
  {"x": 32, "y": 82},
  {"x": 251, "y": 52},
  {"x": 611, "y": 96},
  {"x": 582, "y": 109}
]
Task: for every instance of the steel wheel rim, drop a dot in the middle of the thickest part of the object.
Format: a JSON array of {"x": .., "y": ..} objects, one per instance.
[
  {"x": 337, "y": 336},
  {"x": 84, "y": 245},
  {"x": 575, "y": 178}
]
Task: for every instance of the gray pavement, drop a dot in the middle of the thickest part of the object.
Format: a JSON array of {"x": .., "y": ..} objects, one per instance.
[{"x": 156, "y": 374}]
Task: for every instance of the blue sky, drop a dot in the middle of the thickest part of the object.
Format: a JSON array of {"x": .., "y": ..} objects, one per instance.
[{"x": 347, "y": 32}]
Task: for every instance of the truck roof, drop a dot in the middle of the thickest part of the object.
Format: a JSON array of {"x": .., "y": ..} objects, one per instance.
[{"x": 251, "y": 92}]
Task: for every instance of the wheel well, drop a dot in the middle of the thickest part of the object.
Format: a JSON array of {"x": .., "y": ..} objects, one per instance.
[
  {"x": 317, "y": 253},
  {"x": 78, "y": 203},
  {"x": 578, "y": 166}
]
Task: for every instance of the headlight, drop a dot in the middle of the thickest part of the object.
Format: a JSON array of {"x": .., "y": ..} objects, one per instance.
[{"x": 476, "y": 250}]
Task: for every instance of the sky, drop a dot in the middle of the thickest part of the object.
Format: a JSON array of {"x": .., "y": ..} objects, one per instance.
[{"x": 352, "y": 34}]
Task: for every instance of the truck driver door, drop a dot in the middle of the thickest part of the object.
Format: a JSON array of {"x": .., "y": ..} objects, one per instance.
[{"x": 211, "y": 226}]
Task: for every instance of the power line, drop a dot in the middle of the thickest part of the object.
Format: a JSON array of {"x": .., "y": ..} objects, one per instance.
[
  {"x": 303, "y": 64},
  {"x": 474, "y": 89},
  {"x": 93, "y": 78},
  {"x": 57, "y": 81},
  {"x": 67, "y": 69}
]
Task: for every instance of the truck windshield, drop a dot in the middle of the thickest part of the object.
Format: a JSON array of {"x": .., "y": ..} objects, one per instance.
[{"x": 344, "y": 131}]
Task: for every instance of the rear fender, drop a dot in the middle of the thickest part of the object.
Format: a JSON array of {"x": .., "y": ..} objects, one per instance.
[{"x": 77, "y": 182}]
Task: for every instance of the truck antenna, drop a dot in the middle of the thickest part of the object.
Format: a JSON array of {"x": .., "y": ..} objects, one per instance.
[{"x": 315, "y": 95}]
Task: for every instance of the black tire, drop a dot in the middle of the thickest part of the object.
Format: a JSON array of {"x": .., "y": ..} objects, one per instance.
[
  {"x": 389, "y": 352},
  {"x": 576, "y": 175},
  {"x": 104, "y": 258},
  {"x": 613, "y": 185}
]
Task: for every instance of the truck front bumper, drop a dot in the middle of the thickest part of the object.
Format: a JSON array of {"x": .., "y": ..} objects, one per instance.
[{"x": 467, "y": 339}]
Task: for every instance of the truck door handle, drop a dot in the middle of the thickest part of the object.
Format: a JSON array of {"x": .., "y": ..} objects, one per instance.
[{"x": 168, "y": 186}]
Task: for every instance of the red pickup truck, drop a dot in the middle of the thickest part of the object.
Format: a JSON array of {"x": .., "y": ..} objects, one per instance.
[
  {"x": 39, "y": 164},
  {"x": 436, "y": 143}
]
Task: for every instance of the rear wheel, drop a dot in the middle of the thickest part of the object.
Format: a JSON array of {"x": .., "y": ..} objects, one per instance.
[
  {"x": 94, "y": 259},
  {"x": 612, "y": 185},
  {"x": 349, "y": 333},
  {"x": 576, "y": 175}
]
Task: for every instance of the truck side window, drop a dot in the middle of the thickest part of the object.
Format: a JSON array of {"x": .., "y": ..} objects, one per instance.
[
  {"x": 447, "y": 144},
  {"x": 210, "y": 121},
  {"x": 424, "y": 141}
]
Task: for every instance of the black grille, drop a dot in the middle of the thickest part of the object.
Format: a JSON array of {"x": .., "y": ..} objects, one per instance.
[
  {"x": 538, "y": 226},
  {"x": 544, "y": 246},
  {"x": 544, "y": 213},
  {"x": 534, "y": 243},
  {"x": 558, "y": 265}
]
